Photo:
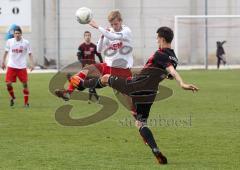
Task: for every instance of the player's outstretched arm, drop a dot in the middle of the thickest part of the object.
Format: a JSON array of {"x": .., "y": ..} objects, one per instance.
[
  {"x": 102, "y": 42},
  {"x": 31, "y": 62},
  {"x": 109, "y": 35},
  {"x": 223, "y": 42},
  {"x": 178, "y": 78},
  {"x": 4, "y": 60}
]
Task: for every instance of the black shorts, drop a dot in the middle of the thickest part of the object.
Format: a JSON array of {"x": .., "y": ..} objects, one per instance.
[
  {"x": 142, "y": 89},
  {"x": 143, "y": 102}
]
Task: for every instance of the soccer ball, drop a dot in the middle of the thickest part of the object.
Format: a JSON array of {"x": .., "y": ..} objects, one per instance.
[{"x": 84, "y": 15}]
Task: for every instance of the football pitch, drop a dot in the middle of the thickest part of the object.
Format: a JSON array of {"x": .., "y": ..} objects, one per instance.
[{"x": 194, "y": 131}]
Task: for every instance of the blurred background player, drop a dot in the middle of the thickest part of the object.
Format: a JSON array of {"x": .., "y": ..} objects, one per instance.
[
  {"x": 86, "y": 56},
  {"x": 87, "y": 51},
  {"x": 116, "y": 46},
  {"x": 144, "y": 86},
  {"x": 17, "y": 48},
  {"x": 220, "y": 53}
]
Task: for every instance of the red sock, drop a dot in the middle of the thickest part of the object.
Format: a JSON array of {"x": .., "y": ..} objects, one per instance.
[
  {"x": 82, "y": 75},
  {"x": 25, "y": 93},
  {"x": 71, "y": 87},
  {"x": 10, "y": 91}
]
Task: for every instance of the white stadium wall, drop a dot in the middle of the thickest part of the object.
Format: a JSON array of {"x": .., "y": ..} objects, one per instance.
[{"x": 142, "y": 16}]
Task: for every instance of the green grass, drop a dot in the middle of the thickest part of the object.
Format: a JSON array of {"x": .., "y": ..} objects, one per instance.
[{"x": 32, "y": 139}]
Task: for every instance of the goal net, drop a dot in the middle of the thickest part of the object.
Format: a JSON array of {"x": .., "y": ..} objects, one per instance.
[{"x": 196, "y": 37}]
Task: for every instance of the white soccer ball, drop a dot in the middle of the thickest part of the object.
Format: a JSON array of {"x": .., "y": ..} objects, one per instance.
[{"x": 84, "y": 15}]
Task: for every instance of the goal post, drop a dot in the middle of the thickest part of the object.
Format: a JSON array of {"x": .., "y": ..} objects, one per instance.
[{"x": 202, "y": 23}]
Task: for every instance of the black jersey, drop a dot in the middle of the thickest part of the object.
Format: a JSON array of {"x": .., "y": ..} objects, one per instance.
[
  {"x": 149, "y": 77},
  {"x": 155, "y": 68},
  {"x": 220, "y": 50},
  {"x": 162, "y": 58},
  {"x": 86, "y": 54},
  {"x": 143, "y": 87}
]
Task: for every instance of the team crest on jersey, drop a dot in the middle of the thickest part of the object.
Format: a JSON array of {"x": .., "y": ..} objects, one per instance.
[
  {"x": 116, "y": 46},
  {"x": 91, "y": 49},
  {"x": 17, "y": 50}
]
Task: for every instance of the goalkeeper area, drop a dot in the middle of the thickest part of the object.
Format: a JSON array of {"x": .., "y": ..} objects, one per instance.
[
  {"x": 209, "y": 139},
  {"x": 196, "y": 38}
]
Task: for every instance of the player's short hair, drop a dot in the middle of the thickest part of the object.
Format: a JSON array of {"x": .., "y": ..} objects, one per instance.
[
  {"x": 166, "y": 33},
  {"x": 18, "y": 28},
  {"x": 113, "y": 15},
  {"x": 87, "y": 32}
]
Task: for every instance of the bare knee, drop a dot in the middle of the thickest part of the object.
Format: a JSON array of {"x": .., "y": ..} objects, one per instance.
[
  {"x": 84, "y": 71},
  {"x": 104, "y": 79},
  {"x": 25, "y": 85},
  {"x": 9, "y": 84},
  {"x": 138, "y": 124}
]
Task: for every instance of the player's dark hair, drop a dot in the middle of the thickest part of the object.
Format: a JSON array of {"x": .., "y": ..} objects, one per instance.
[
  {"x": 166, "y": 33},
  {"x": 87, "y": 32},
  {"x": 18, "y": 28}
]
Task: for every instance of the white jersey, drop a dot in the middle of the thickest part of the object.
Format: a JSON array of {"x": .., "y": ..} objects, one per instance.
[
  {"x": 116, "y": 47},
  {"x": 17, "y": 51}
]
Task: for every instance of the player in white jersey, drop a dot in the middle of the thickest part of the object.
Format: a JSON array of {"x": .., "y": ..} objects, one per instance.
[
  {"x": 116, "y": 46},
  {"x": 17, "y": 48}
]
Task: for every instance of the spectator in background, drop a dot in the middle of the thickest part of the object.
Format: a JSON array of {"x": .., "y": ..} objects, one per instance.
[{"x": 220, "y": 53}]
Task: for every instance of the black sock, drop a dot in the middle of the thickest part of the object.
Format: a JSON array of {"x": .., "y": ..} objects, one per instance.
[
  {"x": 111, "y": 79},
  {"x": 99, "y": 84},
  {"x": 90, "y": 83},
  {"x": 93, "y": 83},
  {"x": 96, "y": 96},
  {"x": 90, "y": 96},
  {"x": 146, "y": 133}
]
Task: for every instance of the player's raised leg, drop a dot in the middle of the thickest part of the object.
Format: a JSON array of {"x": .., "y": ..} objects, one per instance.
[
  {"x": 77, "y": 81},
  {"x": 74, "y": 82}
]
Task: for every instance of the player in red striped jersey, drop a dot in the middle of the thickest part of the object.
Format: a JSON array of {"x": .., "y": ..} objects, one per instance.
[
  {"x": 86, "y": 56},
  {"x": 87, "y": 51}
]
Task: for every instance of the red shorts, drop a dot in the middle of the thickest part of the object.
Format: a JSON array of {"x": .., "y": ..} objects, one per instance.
[
  {"x": 120, "y": 72},
  {"x": 13, "y": 73}
]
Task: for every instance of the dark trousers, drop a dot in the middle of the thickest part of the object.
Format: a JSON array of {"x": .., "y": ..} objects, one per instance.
[{"x": 219, "y": 59}]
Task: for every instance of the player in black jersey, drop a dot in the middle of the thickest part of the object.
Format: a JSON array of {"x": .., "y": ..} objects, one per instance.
[
  {"x": 220, "y": 53},
  {"x": 143, "y": 87}
]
